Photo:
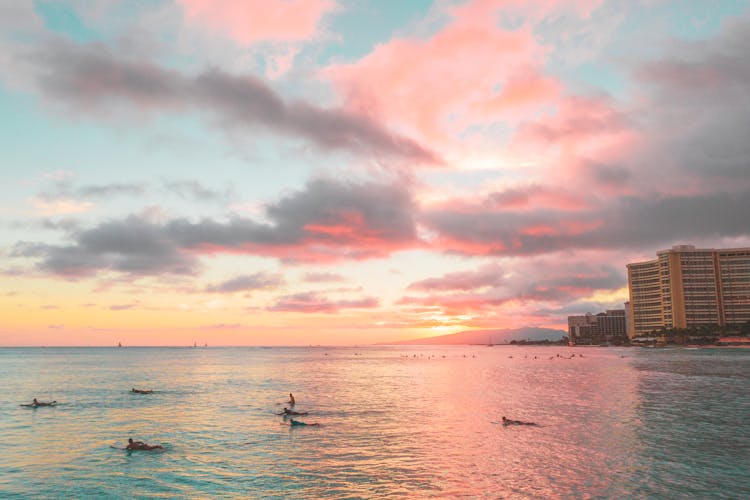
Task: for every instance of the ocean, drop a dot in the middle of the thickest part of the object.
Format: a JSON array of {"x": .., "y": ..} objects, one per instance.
[{"x": 395, "y": 421}]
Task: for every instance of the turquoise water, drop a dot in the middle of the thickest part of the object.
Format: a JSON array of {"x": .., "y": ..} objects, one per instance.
[{"x": 395, "y": 422}]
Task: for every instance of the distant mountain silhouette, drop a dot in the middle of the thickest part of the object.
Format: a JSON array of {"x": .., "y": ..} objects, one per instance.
[{"x": 502, "y": 336}]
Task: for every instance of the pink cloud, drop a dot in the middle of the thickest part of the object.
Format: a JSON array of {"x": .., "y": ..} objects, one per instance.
[
  {"x": 515, "y": 286},
  {"x": 252, "y": 21},
  {"x": 579, "y": 122},
  {"x": 586, "y": 138},
  {"x": 491, "y": 275},
  {"x": 311, "y": 251},
  {"x": 471, "y": 72},
  {"x": 456, "y": 304}
]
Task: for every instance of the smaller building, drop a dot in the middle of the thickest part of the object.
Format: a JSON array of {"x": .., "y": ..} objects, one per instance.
[{"x": 605, "y": 328}]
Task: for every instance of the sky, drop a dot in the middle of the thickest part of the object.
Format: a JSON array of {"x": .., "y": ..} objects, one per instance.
[{"x": 329, "y": 172}]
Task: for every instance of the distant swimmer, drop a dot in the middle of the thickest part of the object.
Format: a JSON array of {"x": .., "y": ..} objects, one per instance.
[
  {"x": 140, "y": 445},
  {"x": 291, "y": 399},
  {"x": 507, "y": 421},
  {"x": 295, "y": 423},
  {"x": 287, "y": 411},
  {"x": 141, "y": 391},
  {"x": 36, "y": 403}
]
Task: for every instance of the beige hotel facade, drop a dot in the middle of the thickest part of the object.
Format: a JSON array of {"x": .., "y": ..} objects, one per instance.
[{"x": 686, "y": 287}]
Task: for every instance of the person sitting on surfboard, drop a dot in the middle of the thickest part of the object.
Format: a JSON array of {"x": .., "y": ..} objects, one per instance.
[
  {"x": 287, "y": 411},
  {"x": 291, "y": 399},
  {"x": 294, "y": 423},
  {"x": 141, "y": 391},
  {"x": 140, "y": 445},
  {"x": 507, "y": 421}
]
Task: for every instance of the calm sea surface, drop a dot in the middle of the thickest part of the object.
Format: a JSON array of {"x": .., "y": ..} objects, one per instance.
[{"x": 656, "y": 423}]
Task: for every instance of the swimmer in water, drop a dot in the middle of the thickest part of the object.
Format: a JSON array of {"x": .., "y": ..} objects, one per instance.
[
  {"x": 291, "y": 399},
  {"x": 507, "y": 421},
  {"x": 140, "y": 445},
  {"x": 294, "y": 423}
]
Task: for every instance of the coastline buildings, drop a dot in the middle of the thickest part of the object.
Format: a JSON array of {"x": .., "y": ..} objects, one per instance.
[
  {"x": 686, "y": 287},
  {"x": 596, "y": 329}
]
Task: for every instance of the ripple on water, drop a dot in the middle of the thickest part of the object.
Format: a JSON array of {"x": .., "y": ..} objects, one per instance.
[{"x": 655, "y": 424}]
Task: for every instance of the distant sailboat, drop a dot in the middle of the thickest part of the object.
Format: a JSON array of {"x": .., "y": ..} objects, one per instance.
[
  {"x": 490, "y": 344},
  {"x": 119, "y": 344},
  {"x": 195, "y": 344}
]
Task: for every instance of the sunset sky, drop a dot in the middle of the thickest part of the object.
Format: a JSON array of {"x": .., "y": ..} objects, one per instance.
[{"x": 274, "y": 172}]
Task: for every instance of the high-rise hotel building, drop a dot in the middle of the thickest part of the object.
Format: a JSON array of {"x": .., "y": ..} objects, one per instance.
[{"x": 685, "y": 287}]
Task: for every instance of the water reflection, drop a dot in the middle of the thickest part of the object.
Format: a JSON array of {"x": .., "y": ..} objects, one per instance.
[{"x": 410, "y": 421}]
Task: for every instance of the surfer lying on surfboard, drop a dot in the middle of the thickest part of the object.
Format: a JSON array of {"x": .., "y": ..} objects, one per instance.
[
  {"x": 287, "y": 411},
  {"x": 507, "y": 421},
  {"x": 141, "y": 391},
  {"x": 294, "y": 423},
  {"x": 140, "y": 445},
  {"x": 36, "y": 403}
]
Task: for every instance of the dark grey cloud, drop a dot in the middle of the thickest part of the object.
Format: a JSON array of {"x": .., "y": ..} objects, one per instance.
[
  {"x": 91, "y": 78},
  {"x": 326, "y": 221},
  {"x": 131, "y": 245},
  {"x": 628, "y": 222},
  {"x": 340, "y": 219},
  {"x": 697, "y": 105},
  {"x": 610, "y": 175},
  {"x": 348, "y": 212},
  {"x": 257, "y": 281}
]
